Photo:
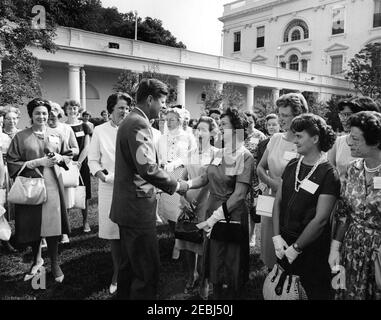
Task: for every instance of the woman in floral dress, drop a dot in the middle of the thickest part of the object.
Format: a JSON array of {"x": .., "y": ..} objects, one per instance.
[{"x": 358, "y": 232}]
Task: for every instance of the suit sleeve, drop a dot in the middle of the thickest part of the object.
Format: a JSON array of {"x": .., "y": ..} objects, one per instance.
[{"x": 142, "y": 147}]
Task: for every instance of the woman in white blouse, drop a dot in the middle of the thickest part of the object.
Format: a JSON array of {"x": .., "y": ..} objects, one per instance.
[
  {"x": 101, "y": 163},
  {"x": 173, "y": 149}
]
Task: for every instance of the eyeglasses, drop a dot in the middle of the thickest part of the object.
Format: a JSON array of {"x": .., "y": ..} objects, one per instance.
[{"x": 345, "y": 114}]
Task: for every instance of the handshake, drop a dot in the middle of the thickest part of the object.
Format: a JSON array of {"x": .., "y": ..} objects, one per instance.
[{"x": 182, "y": 187}]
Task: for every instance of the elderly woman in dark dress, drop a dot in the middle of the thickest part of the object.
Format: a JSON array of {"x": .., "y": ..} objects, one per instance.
[
  {"x": 29, "y": 148},
  {"x": 229, "y": 176}
]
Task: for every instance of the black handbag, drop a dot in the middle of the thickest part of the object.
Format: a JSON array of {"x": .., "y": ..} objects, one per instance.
[
  {"x": 185, "y": 228},
  {"x": 226, "y": 230}
]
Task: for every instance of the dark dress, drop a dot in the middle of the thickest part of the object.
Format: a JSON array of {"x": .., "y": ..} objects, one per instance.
[
  {"x": 81, "y": 130},
  {"x": 296, "y": 212},
  {"x": 228, "y": 263}
]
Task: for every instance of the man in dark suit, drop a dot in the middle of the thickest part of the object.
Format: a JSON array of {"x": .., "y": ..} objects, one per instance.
[{"x": 134, "y": 200}]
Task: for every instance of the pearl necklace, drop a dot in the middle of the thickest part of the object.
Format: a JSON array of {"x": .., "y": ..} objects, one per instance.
[
  {"x": 298, "y": 182},
  {"x": 372, "y": 170}
]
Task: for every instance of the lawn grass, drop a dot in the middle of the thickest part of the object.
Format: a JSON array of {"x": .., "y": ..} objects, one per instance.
[{"x": 86, "y": 263}]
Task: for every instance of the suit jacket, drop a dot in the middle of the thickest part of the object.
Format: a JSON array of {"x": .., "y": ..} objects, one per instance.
[{"x": 137, "y": 173}]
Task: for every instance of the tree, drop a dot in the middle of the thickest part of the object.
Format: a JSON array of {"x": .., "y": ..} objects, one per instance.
[
  {"x": 128, "y": 82},
  {"x": 365, "y": 70},
  {"x": 21, "y": 70},
  {"x": 91, "y": 16},
  {"x": 228, "y": 97}
]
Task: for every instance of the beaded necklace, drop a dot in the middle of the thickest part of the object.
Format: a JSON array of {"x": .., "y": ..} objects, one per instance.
[{"x": 298, "y": 182}]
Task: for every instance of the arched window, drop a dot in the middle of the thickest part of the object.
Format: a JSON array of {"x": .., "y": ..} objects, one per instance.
[
  {"x": 295, "y": 35},
  {"x": 283, "y": 64},
  {"x": 296, "y": 23},
  {"x": 294, "y": 62}
]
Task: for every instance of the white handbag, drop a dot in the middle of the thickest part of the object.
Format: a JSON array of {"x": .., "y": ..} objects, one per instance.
[
  {"x": 80, "y": 196},
  {"x": 265, "y": 206},
  {"x": 70, "y": 178},
  {"x": 5, "y": 229}
]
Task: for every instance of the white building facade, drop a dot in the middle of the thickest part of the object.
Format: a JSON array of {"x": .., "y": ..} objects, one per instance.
[
  {"x": 85, "y": 68},
  {"x": 313, "y": 36}
]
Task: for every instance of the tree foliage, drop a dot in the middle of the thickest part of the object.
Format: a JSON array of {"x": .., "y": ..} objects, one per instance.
[
  {"x": 91, "y": 16},
  {"x": 365, "y": 70},
  {"x": 128, "y": 82},
  {"x": 20, "y": 69},
  {"x": 228, "y": 97}
]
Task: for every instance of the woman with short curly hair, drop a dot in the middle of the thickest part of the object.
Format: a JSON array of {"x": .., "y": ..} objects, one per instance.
[
  {"x": 358, "y": 231},
  {"x": 303, "y": 204},
  {"x": 229, "y": 177}
]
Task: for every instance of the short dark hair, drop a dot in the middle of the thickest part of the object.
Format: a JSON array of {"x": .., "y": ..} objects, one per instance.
[
  {"x": 369, "y": 122},
  {"x": 252, "y": 115},
  {"x": 271, "y": 116},
  {"x": 215, "y": 111},
  {"x": 103, "y": 112},
  {"x": 296, "y": 101},
  {"x": 238, "y": 119},
  {"x": 150, "y": 87},
  {"x": 113, "y": 99},
  {"x": 358, "y": 104},
  {"x": 315, "y": 125},
  {"x": 37, "y": 102},
  {"x": 70, "y": 103}
]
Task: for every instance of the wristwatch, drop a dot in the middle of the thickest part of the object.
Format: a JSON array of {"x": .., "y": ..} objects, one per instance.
[{"x": 296, "y": 247}]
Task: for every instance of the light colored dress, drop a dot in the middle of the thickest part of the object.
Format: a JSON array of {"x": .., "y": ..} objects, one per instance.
[
  {"x": 197, "y": 166},
  {"x": 174, "y": 147},
  {"x": 341, "y": 153},
  {"x": 280, "y": 152},
  {"x": 102, "y": 156}
]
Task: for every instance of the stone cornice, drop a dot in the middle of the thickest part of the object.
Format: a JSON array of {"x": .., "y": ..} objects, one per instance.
[{"x": 252, "y": 10}]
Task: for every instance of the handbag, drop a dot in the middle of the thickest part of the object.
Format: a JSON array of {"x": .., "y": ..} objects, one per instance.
[
  {"x": 377, "y": 268},
  {"x": 283, "y": 285},
  {"x": 265, "y": 206},
  {"x": 5, "y": 229},
  {"x": 185, "y": 228},
  {"x": 70, "y": 178},
  {"x": 27, "y": 190},
  {"x": 227, "y": 231},
  {"x": 80, "y": 196}
]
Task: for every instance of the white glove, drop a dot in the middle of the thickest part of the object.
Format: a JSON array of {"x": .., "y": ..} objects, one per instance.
[
  {"x": 291, "y": 254},
  {"x": 210, "y": 222},
  {"x": 109, "y": 178},
  {"x": 280, "y": 246},
  {"x": 41, "y": 162},
  {"x": 334, "y": 254}
]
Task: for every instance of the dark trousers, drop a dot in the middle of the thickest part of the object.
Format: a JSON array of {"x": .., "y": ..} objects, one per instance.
[{"x": 139, "y": 271}]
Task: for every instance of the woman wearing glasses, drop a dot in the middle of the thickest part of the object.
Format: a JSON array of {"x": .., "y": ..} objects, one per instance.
[
  {"x": 358, "y": 232},
  {"x": 340, "y": 155},
  {"x": 280, "y": 150}
]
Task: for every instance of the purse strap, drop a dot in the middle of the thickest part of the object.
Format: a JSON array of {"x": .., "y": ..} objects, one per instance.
[
  {"x": 80, "y": 178},
  {"x": 24, "y": 166}
]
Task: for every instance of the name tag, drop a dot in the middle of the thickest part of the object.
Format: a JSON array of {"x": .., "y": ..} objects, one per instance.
[
  {"x": 377, "y": 183},
  {"x": 217, "y": 161},
  {"x": 288, "y": 155},
  {"x": 79, "y": 134},
  {"x": 309, "y": 186},
  {"x": 54, "y": 140}
]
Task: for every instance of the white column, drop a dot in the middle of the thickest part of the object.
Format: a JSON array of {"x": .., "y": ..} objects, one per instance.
[
  {"x": 74, "y": 82},
  {"x": 300, "y": 66},
  {"x": 250, "y": 98},
  {"x": 83, "y": 89},
  {"x": 275, "y": 92},
  {"x": 220, "y": 86},
  {"x": 181, "y": 91}
]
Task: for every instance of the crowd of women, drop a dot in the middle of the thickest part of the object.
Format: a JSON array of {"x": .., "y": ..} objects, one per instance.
[{"x": 326, "y": 189}]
